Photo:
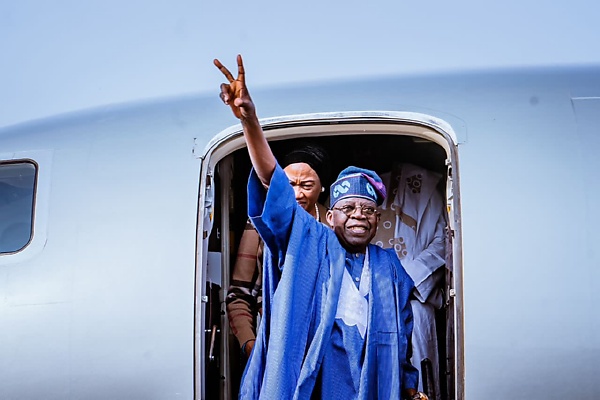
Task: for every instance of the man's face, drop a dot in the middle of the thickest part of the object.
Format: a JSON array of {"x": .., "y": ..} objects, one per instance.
[
  {"x": 354, "y": 221},
  {"x": 306, "y": 184}
]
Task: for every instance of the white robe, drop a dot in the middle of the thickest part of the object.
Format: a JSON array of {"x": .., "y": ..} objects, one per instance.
[{"x": 413, "y": 224}]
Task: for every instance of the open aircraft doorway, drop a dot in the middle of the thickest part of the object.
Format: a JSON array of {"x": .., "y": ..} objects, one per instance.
[{"x": 375, "y": 140}]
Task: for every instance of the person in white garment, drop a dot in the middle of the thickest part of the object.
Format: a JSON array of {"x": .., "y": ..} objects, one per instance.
[{"x": 413, "y": 223}]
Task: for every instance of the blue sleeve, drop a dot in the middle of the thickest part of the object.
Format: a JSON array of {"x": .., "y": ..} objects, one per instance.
[
  {"x": 272, "y": 210},
  {"x": 410, "y": 375}
]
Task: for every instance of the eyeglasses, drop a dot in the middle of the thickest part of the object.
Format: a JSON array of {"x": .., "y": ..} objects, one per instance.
[{"x": 349, "y": 209}]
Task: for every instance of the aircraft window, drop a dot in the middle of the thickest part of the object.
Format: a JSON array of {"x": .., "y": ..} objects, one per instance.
[{"x": 17, "y": 188}]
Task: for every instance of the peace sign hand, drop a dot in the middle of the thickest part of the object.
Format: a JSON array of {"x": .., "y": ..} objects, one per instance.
[{"x": 235, "y": 93}]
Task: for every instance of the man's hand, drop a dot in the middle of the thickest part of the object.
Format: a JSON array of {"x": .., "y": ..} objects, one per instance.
[
  {"x": 412, "y": 394},
  {"x": 235, "y": 94}
]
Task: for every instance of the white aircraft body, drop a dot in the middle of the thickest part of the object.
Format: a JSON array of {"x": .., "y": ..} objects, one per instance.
[{"x": 119, "y": 228}]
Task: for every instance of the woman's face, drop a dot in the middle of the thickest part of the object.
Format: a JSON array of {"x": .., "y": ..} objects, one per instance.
[{"x": 306, "y": 184}]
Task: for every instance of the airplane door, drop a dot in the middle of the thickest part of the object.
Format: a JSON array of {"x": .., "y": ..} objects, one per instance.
[
  {"x": 214, "y": 380},
  {"x": 393, "y": 142}
]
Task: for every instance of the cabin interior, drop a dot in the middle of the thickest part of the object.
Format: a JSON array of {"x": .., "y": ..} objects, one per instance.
[{"x": 369, "y": 148}]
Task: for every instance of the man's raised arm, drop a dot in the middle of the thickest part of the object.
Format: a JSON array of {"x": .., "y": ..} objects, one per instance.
[{"x": 235, "y": 94}]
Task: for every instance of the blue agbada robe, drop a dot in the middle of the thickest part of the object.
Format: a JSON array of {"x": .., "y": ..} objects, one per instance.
[{"x": 302, "y": 274}]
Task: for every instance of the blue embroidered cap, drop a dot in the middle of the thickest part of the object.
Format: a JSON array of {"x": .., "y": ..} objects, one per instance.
[{"x": 357, "y": 182}]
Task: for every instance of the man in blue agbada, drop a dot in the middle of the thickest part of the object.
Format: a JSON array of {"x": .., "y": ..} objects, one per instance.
[{"x": 337, "y": 320}]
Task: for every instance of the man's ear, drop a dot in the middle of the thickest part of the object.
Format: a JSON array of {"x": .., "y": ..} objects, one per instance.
[{"x": 329, "y": 218}]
